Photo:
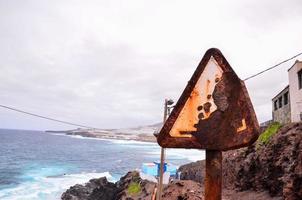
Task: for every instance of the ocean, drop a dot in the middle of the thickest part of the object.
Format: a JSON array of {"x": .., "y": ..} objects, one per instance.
[{"x": 35, "y": 165}]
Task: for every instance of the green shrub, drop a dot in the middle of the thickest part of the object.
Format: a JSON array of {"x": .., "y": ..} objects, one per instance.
[
  {"x": 269, "y": 132},
  {"x": 134, "y": 188}
]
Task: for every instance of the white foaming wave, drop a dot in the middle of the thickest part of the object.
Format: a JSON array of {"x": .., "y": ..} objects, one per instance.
[
  {"x": 57, "y": 133},
  {"x": 76, "y": 136},
  {"x": 189, "y": 154},
  {"x": 132, "y": 142},
  {"x": 81, "y": 137},
  {"x": 48, "y": 188}
]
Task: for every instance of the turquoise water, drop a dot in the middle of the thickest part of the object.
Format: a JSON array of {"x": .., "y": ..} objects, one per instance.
[{"x": 38, "y": 165}]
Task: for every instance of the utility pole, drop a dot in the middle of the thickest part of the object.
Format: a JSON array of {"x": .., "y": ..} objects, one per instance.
[{"x": 168, "y": 102}]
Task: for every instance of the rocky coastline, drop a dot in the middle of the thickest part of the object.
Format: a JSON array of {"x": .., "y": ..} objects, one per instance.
[
  {"x": 264, "y": 171},
  {"x": 142, "y": 134},
  {"x": 116, "y": 136}
]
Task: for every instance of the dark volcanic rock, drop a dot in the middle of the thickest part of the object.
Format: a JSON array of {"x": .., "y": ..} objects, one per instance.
[
  {"x": 191, "y": 190},
  {"x": 193, "y": 171},
  {"x": 95, "y": 189},
  {"x": 183, "y": 190},
  {"x": 133, "y": 177},
  {"x": 196, "y": 170},
  {"x": 101, "y": 189},
  {"x": 275, "y": 167}
]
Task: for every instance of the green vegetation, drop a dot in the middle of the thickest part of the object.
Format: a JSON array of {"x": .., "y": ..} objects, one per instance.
[
  {"x": 134, "y": 188},
  {"x": 268, "y": 133}
]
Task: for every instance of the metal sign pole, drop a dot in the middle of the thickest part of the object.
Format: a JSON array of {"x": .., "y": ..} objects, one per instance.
[
  {"x": 213, "y": 178},
  {"x": 162, "y": 158}
]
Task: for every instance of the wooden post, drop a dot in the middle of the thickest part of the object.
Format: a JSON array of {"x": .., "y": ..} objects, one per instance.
[
  {"x": 161, "y": 173},
  {"x": 162, "y": 158},
  {"x": 213, "y": 180}
]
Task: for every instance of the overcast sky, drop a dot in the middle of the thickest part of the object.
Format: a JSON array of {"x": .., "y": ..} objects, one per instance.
[{"x": 110, "y": 64}]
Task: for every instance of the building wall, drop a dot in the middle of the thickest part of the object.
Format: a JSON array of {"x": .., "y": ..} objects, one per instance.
[
  {"x": 295, "y": 92},
  {"x": 283, "y": 112}
]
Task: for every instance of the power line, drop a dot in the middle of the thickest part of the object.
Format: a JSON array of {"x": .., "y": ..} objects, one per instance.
[
  {"x": 272, "y": 67},
  {"x": 48, "y": 118}
]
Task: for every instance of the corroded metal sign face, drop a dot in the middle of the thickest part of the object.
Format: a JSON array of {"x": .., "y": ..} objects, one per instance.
[{"x": 214, "y": 111}]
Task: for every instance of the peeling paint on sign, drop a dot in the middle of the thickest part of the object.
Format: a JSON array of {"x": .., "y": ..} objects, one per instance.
[{"x": 200, "y": 104}]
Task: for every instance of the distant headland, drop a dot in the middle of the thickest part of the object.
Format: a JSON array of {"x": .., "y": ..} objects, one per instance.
[{"x": 141, "y": 133}]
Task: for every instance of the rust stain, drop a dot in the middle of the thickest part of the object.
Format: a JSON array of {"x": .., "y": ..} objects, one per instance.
[{"x": 213, "y": 179}]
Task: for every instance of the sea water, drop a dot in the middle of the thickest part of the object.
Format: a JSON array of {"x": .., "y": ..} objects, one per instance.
[{"x": 38, "y": 165}]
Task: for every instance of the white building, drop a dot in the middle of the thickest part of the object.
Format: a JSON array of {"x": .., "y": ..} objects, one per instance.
[
  {"x": 287, "y": 104},
  {"x": 295, "y": 91}
]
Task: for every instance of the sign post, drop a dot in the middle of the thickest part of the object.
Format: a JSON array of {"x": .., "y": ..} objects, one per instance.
[
  {"x": 213, "y": 113},
  {"x": 161, "y": 174},
  {"x": 213, "y": 180}
]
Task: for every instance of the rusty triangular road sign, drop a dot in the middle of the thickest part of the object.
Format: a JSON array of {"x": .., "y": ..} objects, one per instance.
[{"x": 214, "y": 111}]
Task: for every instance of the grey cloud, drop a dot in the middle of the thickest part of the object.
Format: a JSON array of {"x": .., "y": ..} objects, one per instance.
[
  {"x": 109, "y": 65},
  {"x": 268, "y": 14}
]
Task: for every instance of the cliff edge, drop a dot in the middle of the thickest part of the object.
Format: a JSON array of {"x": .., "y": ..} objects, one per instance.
[
  {"x": 271, "y": 169},
  {"x": 272, "y": 164}
]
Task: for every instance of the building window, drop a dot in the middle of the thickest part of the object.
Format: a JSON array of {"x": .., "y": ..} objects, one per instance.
[
  {"x": 276, "y": 105},
  {"x": 280, "y": 102},
  {"x": 286, "y": 98},
  {"x": 300, "y": 78}
]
